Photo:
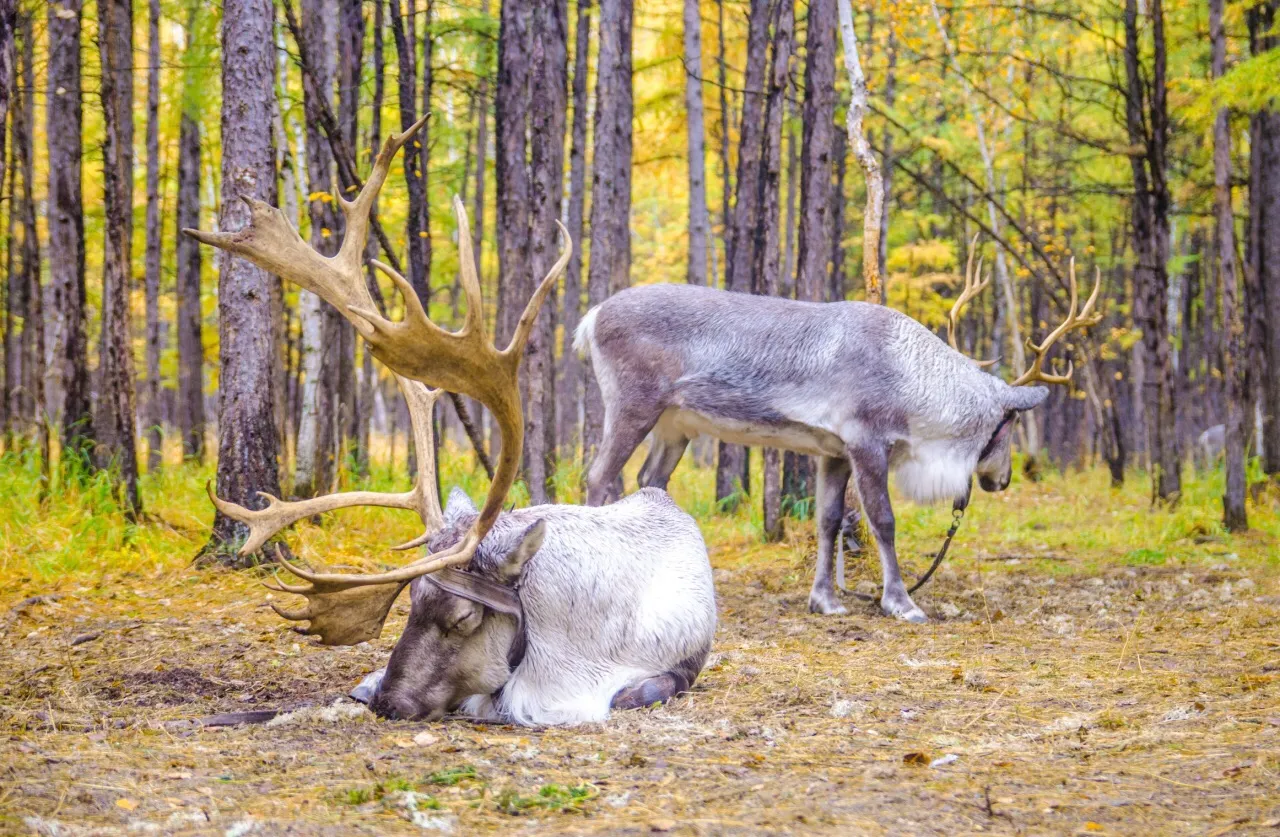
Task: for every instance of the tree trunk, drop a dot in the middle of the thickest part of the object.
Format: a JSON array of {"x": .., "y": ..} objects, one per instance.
[
  {"x": 66, "y": 230},
  {"x": 866, "y": 158},
  {"x": 350, "y": 53},
  {"x": 837, "y": 286},
  {"x": 886, "y": 154},
  {"x": 115, "y": 421},
  {"x": 407, "y": 81},
  {"x": 1151, "y": 205},
  {"x": 570, "y": 364},
  {"x": 817, "y": 146},
  {"x": 732, "y": 474},
  {"x": 699, "y": 221},
  {"x": 190, "y": 325},
  {"x": 1234, "y": 516},
  {"x": 246, "y": 422},
  {"x": 1263, "y": 275},
  {"x": 726, "y": 186},
  {"x": 314, "y": 469},
  {"x": 547, "y": 107},
  {"x": 153, "y": 416},
  {"x": 368, "y": 374},
  {"x": 32, "y": 348},
  {"x": 817, "y": 199},
  {"x": 610, "y": 268},
  {"x": 767, "y": 264}
]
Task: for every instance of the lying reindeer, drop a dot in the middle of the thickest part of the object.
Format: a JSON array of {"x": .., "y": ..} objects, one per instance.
[
  {"x": 548, "y": 615},
  {"x": 861, "y": 387}
]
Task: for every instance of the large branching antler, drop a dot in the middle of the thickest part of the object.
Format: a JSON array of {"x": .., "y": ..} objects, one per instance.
[
  {"x": 348, "y": 608},
  {"x": 972, "y": 287},
  {"x": 1086, "y": 317}
]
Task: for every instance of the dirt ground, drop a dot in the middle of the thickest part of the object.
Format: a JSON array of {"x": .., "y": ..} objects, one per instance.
[{"x": 1047, "y": 696}]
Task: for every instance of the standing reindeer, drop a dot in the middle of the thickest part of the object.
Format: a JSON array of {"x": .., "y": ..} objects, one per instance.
[
  {"x": 859, "y": 386},
  {"x": 546, "y": 615}
]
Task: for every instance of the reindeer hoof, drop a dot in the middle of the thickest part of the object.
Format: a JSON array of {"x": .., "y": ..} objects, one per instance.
[
  {"x": 826, "y": 603},
  {"x": 903, "y": 608}
]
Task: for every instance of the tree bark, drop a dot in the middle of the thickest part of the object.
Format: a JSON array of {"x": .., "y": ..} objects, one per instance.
[
  {"x": 115, "y": 421},
  {"x": 66, "y": 230},
  {"x": 726, "y": 185},
  {"x": 32, "y": 390},
  {"x": 407, "y": 81},
  {"x": 699, "y": 220},
  {"x": 368, "y": 374},
  {"x": 886, "y": 151},
  {"x": 865, "y": 156},
  {"x": 314, "y": 468},
  {"x": 767, "y": 264},
  {"x": 547, "y": 108},
  {"x": 350, "y": 47},
  {"x": 154, "y": 417},
  {"x": 1151, "y": 205},
  {"x": 570, "y": 364},
  {"x": 610, "y": 268},
  {"x": 190, "y": 325},
  {"x": 1263, "y": 276},
  {"x": 1234, "y": 515},
  {"x": 817, "y": 145},
  {"x": 732, "y": 476},
  {"x": 246, "y": 423}
]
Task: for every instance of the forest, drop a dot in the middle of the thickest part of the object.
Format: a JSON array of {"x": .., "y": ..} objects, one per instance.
[{"x": 979, "y": 167}]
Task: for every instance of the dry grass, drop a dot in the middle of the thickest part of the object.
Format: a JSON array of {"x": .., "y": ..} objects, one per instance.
[{"x": 1093, "y": 667}]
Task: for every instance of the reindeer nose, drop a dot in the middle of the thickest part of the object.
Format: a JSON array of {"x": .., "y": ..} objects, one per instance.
[{"x": 393, "y": 708}]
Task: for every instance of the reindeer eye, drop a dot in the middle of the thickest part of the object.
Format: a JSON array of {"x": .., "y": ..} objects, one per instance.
[{"x": 465, "y": 623}]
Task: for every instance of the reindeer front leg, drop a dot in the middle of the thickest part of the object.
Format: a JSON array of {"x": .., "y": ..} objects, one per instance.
[
  {"x": 833, "y": 476},
  {"x": 871, "y": 472}
]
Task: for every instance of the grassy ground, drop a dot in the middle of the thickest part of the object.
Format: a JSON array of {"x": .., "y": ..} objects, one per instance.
[{"x": 1092, "y": 667}]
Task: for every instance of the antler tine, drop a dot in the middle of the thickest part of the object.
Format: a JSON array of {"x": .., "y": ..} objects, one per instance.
[
  {"x": 521, "y": 337},
  {"x": 474, "y": 321},
  {"x": 972, "y": 287},
  {"x": 265, "y": 523},
  {"x": 1075, "y": 320}
]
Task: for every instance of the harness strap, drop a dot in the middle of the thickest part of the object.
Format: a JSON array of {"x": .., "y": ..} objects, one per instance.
[{"x": 491, "y": 594}]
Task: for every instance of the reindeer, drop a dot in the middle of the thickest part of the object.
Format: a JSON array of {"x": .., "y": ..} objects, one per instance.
[
  {"x": 864, "y": 388},
  {"x": 546, "y": 615}
]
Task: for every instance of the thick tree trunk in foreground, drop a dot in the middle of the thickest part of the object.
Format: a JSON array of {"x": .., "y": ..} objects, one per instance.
[
  {"x": 699, "y": 220},
  {"x": 610, "y": 269},
  {"x": 115, "y": 422},
  {"x": 1234, "y": 516},
  {"x": 766, "y": 264},
  {"x": 246, "y": 420},
  {"x": 66, "y": 230},
  {"x": 732, "y": 475},
  {"x": 190, "y": 325},
  {"x": 570, "y": 378},
  {"x": 151, "y": 402}
]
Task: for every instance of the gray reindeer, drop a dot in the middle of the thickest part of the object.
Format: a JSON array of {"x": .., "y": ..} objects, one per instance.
[
  {"x": 864, "y": 388},
  {"x": 547, "y": 615}
]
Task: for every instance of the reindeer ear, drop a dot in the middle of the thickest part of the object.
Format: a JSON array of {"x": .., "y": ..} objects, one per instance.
[
  {"x": 530, "y": 542},
  {"x": 1025, "y": 398},
  {"x": 458, "y": 506}
]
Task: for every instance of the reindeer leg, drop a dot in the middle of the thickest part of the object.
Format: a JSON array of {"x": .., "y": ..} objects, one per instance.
[
  {"x": 624, "y": 429},
  {"x": 871, "y": 469},
  {"x": 664, "y": 455},
  {"x": 833, "y": 475}
]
